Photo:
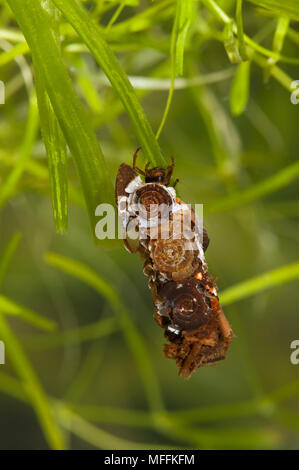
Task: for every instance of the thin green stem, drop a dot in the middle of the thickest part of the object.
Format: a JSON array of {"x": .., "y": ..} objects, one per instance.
[
  {"x": 116, "y": 14},
  {"x": 240, "y": 29},
  {"x": 260, "y": 283},
  {"x": 32, "y": 386},
  {"x": 92, "y": 37},
  {"x": 131, "y": 334}
]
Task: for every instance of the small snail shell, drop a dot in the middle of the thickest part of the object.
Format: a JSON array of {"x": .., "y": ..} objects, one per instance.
[
  {"x": 187, "y": 304},
  {"x": 152, "y": 201},
  {"x": 175, "y": 258}
]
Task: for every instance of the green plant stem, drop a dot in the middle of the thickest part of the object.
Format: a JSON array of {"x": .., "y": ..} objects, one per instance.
[
  {"x": 8, "y": 255},
  {"x": 32, "y": 386},
  {"x": 70, "y": 337},
  {"x": 116, "y": 14},
  {"x": 260, "y": 283},
  {"x": 240, "y": 29},
  {"x": 72, "y": 118},
  {"x": 8, "y": 187},
  {"x": 217, "y": 11},
  {"x": 257, "y": 191},
  {"x": 131, "y": 334},
  {"x": 92, "y": 37}
]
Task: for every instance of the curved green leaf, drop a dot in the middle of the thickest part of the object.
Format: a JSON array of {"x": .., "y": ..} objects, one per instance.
[
  {"x": 92, "y": 37},
  {"x": 82, "y": 142}
]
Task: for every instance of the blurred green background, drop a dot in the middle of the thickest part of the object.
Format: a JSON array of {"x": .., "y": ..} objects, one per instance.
[{"x": 101, "y": 373}]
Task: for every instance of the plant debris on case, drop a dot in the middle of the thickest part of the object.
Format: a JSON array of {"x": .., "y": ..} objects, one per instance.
[{"x": 184, "y": 294}]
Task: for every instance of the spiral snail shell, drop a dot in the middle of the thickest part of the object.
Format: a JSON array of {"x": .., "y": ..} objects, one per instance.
[
  {"x": 174, "y": 258},
  {"x": 152, "y": 202},
  {"x": 188, "y": 305}
]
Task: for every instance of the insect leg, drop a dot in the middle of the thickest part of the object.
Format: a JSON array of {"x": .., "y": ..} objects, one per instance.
[
  {"x": 170, "y": 171},
  {"x": 135, "y": 168}
]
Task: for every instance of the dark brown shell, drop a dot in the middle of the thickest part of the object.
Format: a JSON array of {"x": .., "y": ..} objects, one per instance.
[
  {"x": 124, "y": 176},
  {"x": 150, "y": 198},
  {"x": 188, "y": 305}
]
